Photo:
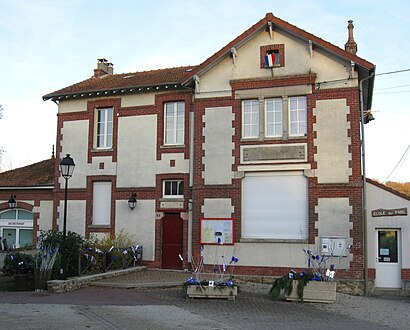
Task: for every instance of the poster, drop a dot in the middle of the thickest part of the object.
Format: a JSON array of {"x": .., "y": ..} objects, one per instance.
[{"x": 217, "y": 231}]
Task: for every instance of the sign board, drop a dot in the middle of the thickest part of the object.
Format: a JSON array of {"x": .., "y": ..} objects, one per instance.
[
  {"x": 217, "y": 231},
  {"x": 389, "y": 212}
]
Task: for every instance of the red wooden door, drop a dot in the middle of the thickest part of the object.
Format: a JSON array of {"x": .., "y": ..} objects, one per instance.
[{"x": 172, "y": 241}]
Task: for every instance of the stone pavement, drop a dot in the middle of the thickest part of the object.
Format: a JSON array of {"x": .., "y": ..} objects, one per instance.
[
  {"x": 254, "y": 308},
  {"x": 153, "y": 299}
]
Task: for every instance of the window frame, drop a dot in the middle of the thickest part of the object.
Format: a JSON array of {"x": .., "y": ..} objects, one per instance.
[
  {"x": 267, "y": 123},
  {"x": 108, "y": 129},
  {"x": 177, "y": 118},
  {"x": 179, "y": 185},
  {"x": 253, "y": 112},
  {"x": 301, "y": 124}
]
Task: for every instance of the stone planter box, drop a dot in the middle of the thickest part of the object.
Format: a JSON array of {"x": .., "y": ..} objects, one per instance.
[
  {"x": 315, "y": 291},
  {"x": 222, "y": 292}
]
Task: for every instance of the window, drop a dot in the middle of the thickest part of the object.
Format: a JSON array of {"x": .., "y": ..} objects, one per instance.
[
  {"x": 297, "y": 116},
  {"x": 173, "y": 189},
  {"x": 273, "y": 117},
  {"x": 250, "y": 119},
  {"x": 275, "y": 206},
  {"x": 104, "y": 128},
  {"x": 102, "y": 203},
  {"x": 16, "y": 227},
  {"x": 174, "y": 123},
  {"x": 272, "y": 56}
]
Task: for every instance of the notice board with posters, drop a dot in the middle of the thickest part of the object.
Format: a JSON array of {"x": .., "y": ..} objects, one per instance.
[{"x": 216, "y": 231}]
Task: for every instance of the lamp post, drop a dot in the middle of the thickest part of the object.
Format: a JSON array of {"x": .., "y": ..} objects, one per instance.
[{"x": 67, "y": 168}]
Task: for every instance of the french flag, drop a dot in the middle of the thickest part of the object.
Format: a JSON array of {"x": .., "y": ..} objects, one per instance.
[{"x": 270, "y": 59}]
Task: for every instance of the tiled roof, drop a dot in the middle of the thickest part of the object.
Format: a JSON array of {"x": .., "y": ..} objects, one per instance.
[
  {"x": 35, "y": 175},
  {"x": 130, "y": 80}
]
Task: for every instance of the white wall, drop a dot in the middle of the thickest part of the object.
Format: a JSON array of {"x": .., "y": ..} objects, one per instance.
[
  {"x": 218, "y": 145},
  {"x": 140, "y": 223},
  {"x": 332, "y": 141}
]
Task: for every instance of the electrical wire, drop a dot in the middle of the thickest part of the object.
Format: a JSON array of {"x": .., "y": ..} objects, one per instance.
[
  {"x": 403, "y": 157},
  {"x": 392, "y": 72}
]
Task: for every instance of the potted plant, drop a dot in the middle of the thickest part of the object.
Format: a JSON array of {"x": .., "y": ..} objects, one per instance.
[
  {"x": 19, "y": 265},
  {"x": 315, "y": 285}
]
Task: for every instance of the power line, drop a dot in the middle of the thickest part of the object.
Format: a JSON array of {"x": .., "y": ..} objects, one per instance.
[
  {"x": 398, "y": 92},
  {"x": 392, "y": 87},
  {"x": 400, "y": 161},
  {"x": 391, "y": 72}
]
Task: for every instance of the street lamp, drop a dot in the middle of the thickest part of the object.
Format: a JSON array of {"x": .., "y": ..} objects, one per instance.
[{"x": 67, "y": 168}]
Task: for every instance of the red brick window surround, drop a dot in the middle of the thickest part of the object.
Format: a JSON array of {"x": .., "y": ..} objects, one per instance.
[
  {"x": 93, "y": 109},
  {"x": 278, "y": 50}
]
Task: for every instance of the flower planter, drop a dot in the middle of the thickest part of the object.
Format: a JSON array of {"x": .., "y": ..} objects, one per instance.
[
  {"x": 21, "y": 282},
  {"x": 223, "y": 292},
  {"x": 315, "y": 291}
]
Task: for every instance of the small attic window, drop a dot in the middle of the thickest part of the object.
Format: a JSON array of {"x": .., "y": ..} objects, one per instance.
[{"x": 272, "y": 56}]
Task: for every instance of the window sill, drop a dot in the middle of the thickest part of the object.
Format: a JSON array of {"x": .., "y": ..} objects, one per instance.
[
  {"x": 172, "y": 146},
  {"x": 102, "y": 150},
  {"x": 99, "y": 227},
  {"x": 272, "y": 240}
]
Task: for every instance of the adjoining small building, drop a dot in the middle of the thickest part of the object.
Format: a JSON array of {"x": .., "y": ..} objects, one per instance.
[
  {"x": 388, "y": 232},
  {"x": 26, "y": 203}
]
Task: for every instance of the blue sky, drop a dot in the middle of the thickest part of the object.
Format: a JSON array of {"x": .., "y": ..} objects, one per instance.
[{"x": 49, "y": 44}]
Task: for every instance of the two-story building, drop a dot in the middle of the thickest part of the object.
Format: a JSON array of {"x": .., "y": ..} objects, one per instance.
[{"x": 254, "y": 153}]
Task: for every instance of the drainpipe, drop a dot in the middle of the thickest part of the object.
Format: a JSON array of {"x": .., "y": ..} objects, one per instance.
[
  {"x": 365, "y": 257},
  {"x": 191, "y": 180}
]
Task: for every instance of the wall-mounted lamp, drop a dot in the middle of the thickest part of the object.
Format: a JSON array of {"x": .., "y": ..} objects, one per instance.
[
  {"x": 132, "y": 202},
  {"x": 12, "y": 202}
]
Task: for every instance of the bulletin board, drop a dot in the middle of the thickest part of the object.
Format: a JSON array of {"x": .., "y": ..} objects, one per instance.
[{"x": 217, "y": 231}]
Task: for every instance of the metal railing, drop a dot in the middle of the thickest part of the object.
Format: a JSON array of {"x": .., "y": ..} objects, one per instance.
[{"x": 95, "y": 261}]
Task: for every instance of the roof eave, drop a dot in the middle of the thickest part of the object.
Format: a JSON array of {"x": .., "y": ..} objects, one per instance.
[{"x": 113, "y": 91}]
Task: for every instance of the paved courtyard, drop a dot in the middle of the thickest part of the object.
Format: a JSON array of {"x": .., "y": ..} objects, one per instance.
[{"x": 150, "y": 300}]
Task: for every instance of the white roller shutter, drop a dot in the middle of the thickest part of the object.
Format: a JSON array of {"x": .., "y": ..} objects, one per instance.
[{"x": 275, "y": 206}]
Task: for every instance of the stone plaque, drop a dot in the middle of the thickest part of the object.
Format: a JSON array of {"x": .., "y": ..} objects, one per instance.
[
  {"x": 172, "y": 205},
  {"x": 276, "y": 152}
]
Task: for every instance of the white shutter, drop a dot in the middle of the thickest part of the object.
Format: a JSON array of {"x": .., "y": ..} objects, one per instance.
[{"x": 102, "y": 203}]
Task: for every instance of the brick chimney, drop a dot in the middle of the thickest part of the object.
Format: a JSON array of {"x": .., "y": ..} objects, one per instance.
[
  {"x": 350, "y": 45},
  {"x": 103, "y": 68}
]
